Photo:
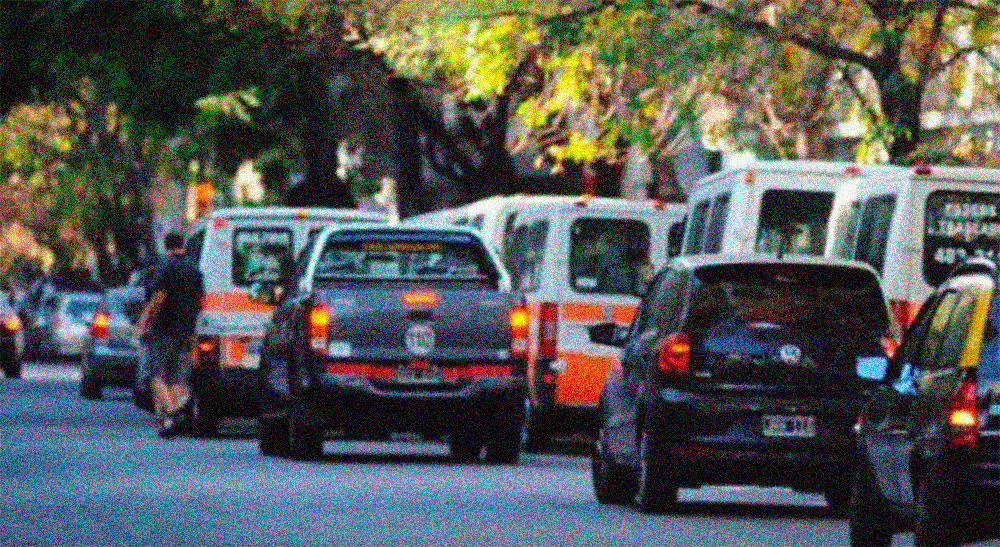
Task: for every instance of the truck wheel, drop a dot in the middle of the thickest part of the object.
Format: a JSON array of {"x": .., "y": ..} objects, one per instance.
[
  {"x": 655, "y": 493},
  {"x": 12, "y": 368},
  {"x": 90, "y": 388},
  {"x": 868, "y": 512},
  {"x": 505, "y": 446},
  {"x": 534, "y": 431},
  {"x": 612, "y": 483},
  {"x": 838, "y": 497},
  {"x": 273, "y": 436},
  {"x": 204, "y": 418},
  {"x": 305, "y": 441},
  {"x": 465, "y": 445}
]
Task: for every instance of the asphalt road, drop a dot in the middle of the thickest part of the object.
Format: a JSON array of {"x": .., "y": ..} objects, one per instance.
[{"x": 77, "y": 472}]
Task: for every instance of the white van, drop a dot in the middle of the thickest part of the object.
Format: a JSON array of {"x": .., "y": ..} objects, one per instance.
[
  {"x": 578, "y": 261},
  {"x": 234, "y": 249},
  {"x": 765, "y": 207},
  {"x": 914, "y": 224}
]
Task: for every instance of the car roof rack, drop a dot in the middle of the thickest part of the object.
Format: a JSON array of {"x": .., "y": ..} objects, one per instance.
[{"x": 975, "y": 264}]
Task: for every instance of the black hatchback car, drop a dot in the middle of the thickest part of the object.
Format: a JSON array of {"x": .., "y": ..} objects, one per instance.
[
  {"x": 739, "y": 370},
  {"x": 929, "y": 439}
]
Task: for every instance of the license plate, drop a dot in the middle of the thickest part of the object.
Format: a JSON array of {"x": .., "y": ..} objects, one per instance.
[
  {"x": 788, "y": 426},
  {"x": 251, "y": 360},
  {"x": 412, "y": 376}
]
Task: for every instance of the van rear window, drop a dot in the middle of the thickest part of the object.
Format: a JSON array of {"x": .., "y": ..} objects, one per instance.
[
  {"x": 262, "y": 255},
  {"x": 609, "y": 256},
  {"x": 958, "y": 225},
  {"x": 796, "y": 219}
]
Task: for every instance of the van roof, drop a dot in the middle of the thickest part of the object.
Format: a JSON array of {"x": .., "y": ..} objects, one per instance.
[
  {"x": 583, "y": 201},
  {"x": 232, "y": 213}
]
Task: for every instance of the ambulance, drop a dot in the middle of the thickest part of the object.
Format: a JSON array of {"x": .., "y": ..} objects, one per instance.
[
  {"x": 578, "y": 261},
  {"x": 236, "y": 248}
]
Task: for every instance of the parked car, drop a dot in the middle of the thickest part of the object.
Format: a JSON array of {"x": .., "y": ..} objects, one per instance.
[
  {"x": 69, "y": 324},
  {"x": 11, "y": 340},
  {"x": 110, "y": 353},
  {"x": 739, "y": 370},
  {"x": 404, "y": 328},
  {"x": 929, "y": 439}
]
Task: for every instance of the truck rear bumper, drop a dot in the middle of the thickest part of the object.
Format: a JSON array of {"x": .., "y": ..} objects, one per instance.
[{"x": 352, "y": 402}]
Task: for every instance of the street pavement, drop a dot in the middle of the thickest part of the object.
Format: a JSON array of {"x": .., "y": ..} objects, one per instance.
[{"x": 77, "y": 472}]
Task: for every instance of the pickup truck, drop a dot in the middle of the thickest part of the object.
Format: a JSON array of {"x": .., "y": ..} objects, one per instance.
[{"x": 394, "y": 328}]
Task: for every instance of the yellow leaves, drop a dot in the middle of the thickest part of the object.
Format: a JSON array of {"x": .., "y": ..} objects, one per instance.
[
  {"x": 283, "y": 12},
  {"x": 235, "y": 104},
  {"x": 986, "y": 30}
]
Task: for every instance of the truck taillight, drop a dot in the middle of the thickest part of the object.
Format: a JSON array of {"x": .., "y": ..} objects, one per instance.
[
  {"x": 99, "y": 325},
  {"x": 548, "y": 330},
  {"x": 519, "y": 331},
  {"x": 206, "y": 352},
  {"x": 963, "y": 417},
  {"x": 319, "y": 328},
  {"x": 675, "y": 354}
]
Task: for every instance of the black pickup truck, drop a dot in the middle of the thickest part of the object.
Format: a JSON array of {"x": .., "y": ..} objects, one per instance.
[{"x": 387, "y": 329}]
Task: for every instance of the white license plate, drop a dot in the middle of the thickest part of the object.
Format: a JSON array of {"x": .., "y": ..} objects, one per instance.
[
  {"x": 251, "y": 360},
  {"x": 788, "y": 426}
]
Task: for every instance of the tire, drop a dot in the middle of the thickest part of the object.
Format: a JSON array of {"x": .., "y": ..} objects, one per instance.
[
  {"x": 838, "y": 497},
  {"x": 868, "y": 512},
  {"x": 465, "y": 445},
  {"x": 654, "y": 492},
  {"x": 90, "y": 388},
  {"x": 612, "y": 483},
  {"x": 273, "y": 435},
  {"x": 12, "y": 368},
  {"x": 934, "y": 514},
  {"x": 204, "y": 418},
  {"x": 305, "y": 441},
  {"x": 534, "y": 431},
  {"x": 505, "y": 446}
]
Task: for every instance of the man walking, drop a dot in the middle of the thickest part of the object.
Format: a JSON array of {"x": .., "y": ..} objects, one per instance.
[{"x": 166, "y": 329}]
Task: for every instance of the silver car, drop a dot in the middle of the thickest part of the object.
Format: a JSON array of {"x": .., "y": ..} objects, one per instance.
[{"x": 69, "y": 323}]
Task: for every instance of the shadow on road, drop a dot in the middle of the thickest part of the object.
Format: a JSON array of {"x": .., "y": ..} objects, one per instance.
[{"x": 753, "y": 510}]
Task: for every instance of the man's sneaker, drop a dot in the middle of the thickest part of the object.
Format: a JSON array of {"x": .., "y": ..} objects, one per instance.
[{"x": 173, "y": 425}]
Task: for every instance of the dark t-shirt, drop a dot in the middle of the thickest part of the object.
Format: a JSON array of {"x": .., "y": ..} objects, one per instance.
[{"x": 181, "y": 284}]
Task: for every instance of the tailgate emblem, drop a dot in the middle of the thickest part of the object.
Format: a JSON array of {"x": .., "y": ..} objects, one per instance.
[
  {"x": 790, "y": 354},
  {"x": 420, "y": 339}
]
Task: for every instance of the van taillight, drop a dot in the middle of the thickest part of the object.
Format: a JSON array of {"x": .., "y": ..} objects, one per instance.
[
  {"x": 206, "y": 352},
  {"x": 319, "y": 328},
  {"x": 548, "y": 330},
  {"x": 675, "y": 354},
  {"x": 963, "y": 417},
  {"x": 519, "y": 331},
  {"x": 99, "y": 325},
  {"x": 903, "y": 311}
]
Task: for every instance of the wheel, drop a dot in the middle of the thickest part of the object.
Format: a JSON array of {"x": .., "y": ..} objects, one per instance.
[
  {"x": 465, "y": 445},
  {"x": 90, "y": 388},
  {"x": 305, "y": 441},
  {"x": 12, "y": 368},
  {"x": 204, "y": 418},
  {"x": 654, "y": 491},
  {"x": 505, "y": 446},
  {"x": 612, "y": 483},
  {"x": 273, "y": 434},
  {"x": 838, "y": 497},
  {"x": 868, "y": 512},
  {"x": 534, "y": 430},
  {"x": 934, "y": 514}
]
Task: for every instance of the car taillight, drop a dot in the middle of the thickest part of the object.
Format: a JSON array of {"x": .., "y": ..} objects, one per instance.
[
  {"x": 963, "y": 416},
  {"x": 903, "y": 311},
  {"x": 99, "y": 325},
  {"x": 675, "y": 354},
  {"x": 206, "y": 352},
  {"x": 889, "y": 346},
  {"x": 519, "y": 331},
  {"x": 548, "y": 330},
  {"x": 319, "y": 328},
  {"x": 12, "y": 323}
]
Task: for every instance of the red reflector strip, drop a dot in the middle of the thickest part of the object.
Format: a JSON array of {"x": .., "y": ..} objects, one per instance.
[
  {"x": 474, "y": 371},
  {"x": 366, "y": 370}
]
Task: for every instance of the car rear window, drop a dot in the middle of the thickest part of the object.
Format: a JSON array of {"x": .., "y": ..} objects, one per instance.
[
  {"x": 416, "y": 256},
  {"x": 784, "y": 294},
  {"x": 81, "y": 308}
]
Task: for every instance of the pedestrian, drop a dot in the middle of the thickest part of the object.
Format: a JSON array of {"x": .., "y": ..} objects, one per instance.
[{"x": 166, "y": 330}]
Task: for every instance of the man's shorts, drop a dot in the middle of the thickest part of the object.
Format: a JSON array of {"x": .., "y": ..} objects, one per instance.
[{"x": 168, "y": 358}]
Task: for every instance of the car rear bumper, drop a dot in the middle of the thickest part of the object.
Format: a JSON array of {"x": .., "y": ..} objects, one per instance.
[
  {"x": 352, "y": 401},
  {"x": 111, "y": 365}
]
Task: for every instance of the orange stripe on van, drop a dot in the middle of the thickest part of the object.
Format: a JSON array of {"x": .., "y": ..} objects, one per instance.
[
  {"x": 623, "y": 314},
  {"x": 233, "y": 301},
  {"x": 582, "y": 311},
  {"x": 581, "y": 382}
]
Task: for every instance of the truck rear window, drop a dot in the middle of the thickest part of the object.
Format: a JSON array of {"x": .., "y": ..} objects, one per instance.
[
  {"x": 958, "y": 225},
  {"x": 391, "y": 256}
]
